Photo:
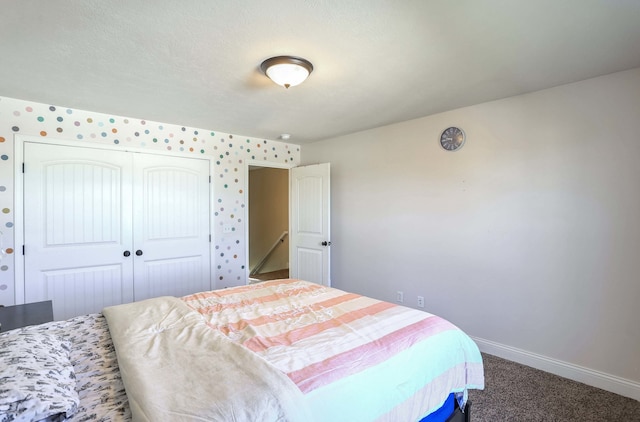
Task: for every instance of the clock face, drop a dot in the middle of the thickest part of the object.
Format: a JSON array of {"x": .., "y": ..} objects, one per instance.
[{"x": 452, "y": 138}]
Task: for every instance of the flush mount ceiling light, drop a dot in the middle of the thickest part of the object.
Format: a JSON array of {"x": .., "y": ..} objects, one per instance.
[{"x": 287, "y": 70}]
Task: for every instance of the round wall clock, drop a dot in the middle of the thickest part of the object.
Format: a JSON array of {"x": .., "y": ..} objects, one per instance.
[{"x": 452, "y": 138}]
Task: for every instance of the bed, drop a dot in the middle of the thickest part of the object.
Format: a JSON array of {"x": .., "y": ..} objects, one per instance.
[{"x": 277, "y": 350}]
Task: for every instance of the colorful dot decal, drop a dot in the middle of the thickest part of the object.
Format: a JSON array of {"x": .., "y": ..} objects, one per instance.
[{"x": 227, "y": 157}]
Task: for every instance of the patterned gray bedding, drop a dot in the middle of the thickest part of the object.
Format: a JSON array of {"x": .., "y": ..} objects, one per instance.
[{"x": 87, "y": 343}]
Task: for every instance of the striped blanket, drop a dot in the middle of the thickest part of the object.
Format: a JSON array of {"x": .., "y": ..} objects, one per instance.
[
  {"x": 175, "y": 368},
  {"x": 354, "y": 358}
]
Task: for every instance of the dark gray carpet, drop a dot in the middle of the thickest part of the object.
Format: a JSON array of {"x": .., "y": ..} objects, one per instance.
[{"x": 515, "y": 392}]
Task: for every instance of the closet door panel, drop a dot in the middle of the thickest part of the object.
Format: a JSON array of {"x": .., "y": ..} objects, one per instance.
[
  {"x": 172, "y": 277},
  {"x": 93, "y": 288},
  {"x": 77, "y": 215},
  {"x": 171, "y": 226}
]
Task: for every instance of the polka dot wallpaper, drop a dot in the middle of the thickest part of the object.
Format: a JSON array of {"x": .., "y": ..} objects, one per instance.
[{"x": 228, "y": 152}]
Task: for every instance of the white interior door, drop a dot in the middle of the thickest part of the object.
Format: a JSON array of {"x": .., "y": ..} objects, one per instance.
[
  {"x": 309, "y": 257},
  {"x": 171, "y": 226},
  {"x": 105, "y": 227},
  {"x": 77, "y": 224}
]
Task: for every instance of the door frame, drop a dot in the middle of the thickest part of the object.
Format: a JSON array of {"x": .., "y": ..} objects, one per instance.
[
  {"x": 265, "y": 164},
  {"x": 18, "y": 177}
]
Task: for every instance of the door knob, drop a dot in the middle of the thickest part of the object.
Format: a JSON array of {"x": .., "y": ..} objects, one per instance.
[
  {"x": 126, "y": 253},
  {"x": 325, "y": 243},
  {"x": 138, "y": 252}
]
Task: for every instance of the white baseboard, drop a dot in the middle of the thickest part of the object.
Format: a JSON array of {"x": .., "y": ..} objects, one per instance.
[{"x": 617, "y": 385}]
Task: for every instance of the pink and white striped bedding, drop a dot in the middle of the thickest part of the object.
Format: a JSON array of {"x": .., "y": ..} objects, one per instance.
[{"x": 354, "y": 358}]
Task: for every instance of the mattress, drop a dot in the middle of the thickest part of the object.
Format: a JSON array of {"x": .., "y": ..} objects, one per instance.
[
  {"x": 370, "y": 359},
  {"x": 353, "y": 357}
]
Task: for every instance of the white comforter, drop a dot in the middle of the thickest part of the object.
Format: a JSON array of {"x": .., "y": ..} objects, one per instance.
[{"x": 177, "y": 368}]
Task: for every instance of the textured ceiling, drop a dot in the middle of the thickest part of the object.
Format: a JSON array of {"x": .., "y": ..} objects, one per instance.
[{"x": 376, "y": 62}]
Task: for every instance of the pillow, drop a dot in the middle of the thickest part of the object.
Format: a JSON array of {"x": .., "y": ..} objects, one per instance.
[{"x": 37, "y": 380}]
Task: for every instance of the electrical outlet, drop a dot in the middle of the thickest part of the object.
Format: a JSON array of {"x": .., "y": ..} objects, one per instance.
[
  {"x": 399, "y": 296},
  {"x": 420, "y": 301}
]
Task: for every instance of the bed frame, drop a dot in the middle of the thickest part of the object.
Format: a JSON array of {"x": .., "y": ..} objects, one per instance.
[
  {"x": 450, "y": 405},
  {"x": 459, "y": 415},
  {"x": 86, "y": 333}
]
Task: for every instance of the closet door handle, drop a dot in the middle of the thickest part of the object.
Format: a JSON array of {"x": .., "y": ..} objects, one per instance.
[
  {"x": 126, "y": 253},
  {"x": 138, "y": 252},
  {"x": 325, "y": 243}
]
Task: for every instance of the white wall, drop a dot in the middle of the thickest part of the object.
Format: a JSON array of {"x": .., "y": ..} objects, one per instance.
[
  {"x": 529, "y": 236},
  {"x": 229, "y": 154}
]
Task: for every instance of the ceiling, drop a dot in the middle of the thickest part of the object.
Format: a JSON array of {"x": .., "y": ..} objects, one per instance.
[{"x": 196, "y": 63}]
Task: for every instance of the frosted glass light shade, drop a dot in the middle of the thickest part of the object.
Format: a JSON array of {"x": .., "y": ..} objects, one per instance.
[
  {"x": 287, "y": 71},
  {"x": 287, "y": 74}
]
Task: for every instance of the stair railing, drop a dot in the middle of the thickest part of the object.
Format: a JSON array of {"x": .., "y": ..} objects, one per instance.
[{"x": 263, "y": 261}]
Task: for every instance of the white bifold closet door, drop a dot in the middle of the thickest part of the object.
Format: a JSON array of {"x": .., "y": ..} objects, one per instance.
[
  {"x": 105, "y": 227},
  {"x": 170, "y": 226}
]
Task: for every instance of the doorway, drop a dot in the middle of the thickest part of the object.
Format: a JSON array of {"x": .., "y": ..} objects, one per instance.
[
  {"x": 268, "y": 225},
  {"x": 304, "y": 232}
]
